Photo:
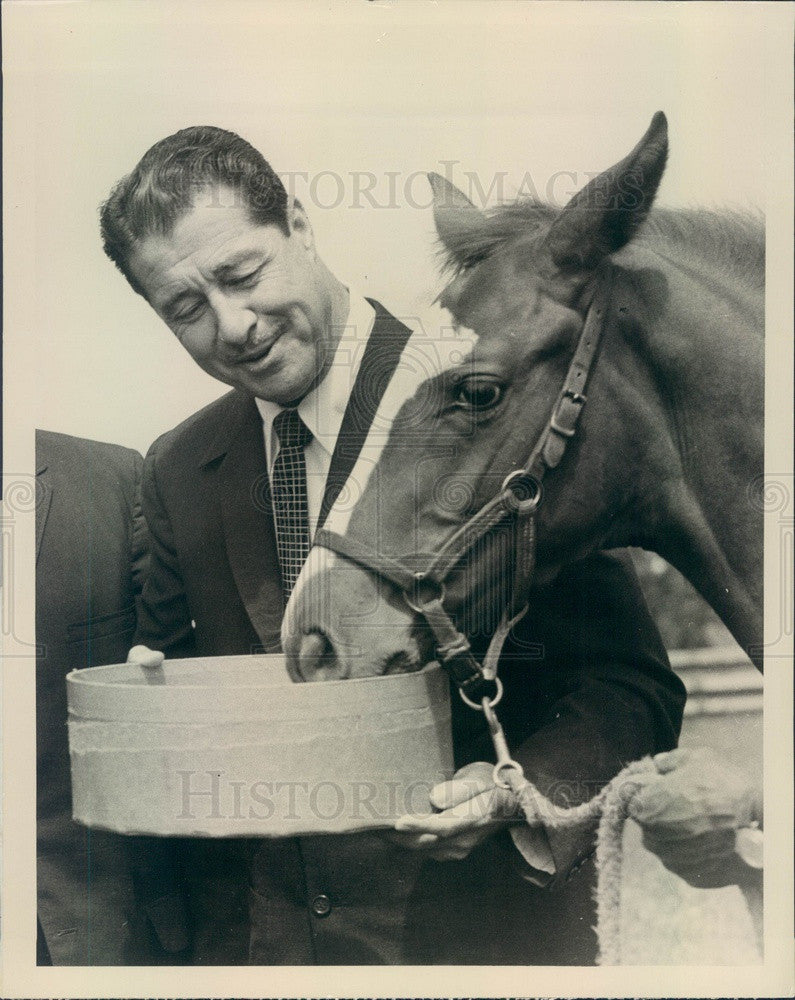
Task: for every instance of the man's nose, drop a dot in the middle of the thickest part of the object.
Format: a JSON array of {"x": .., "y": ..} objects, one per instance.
[{"x": 236, "y": 322}]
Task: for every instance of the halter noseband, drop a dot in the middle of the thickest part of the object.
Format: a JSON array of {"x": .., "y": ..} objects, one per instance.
[{"x": 422, "y": 578}]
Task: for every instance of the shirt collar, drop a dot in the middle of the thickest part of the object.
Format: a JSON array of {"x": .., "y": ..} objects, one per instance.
[{"x": 323, "y": 408}]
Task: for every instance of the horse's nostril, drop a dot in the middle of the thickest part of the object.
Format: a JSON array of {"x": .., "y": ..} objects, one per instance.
[{"x": 317, "y": 660}]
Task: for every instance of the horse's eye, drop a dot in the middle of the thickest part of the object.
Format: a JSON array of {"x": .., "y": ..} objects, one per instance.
[{"x": 479, "y": 393}]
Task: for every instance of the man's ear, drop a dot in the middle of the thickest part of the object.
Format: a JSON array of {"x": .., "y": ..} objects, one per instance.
[{"x": 299, "y": 224}]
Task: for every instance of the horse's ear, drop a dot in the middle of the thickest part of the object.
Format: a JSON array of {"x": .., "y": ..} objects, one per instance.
[
  {"x": 605, "y": 215},
  {"x": 454, "y": 214}
]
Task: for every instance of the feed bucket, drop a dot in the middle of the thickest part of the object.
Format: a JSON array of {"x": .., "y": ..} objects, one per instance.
[{"x": 230, "y": 747}]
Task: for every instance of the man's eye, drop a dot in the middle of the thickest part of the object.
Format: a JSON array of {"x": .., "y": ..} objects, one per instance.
[
  {"x": 244, "y": 279},
  {"x": 479, "y": 393},
  {"x": 189, "y": 314}
]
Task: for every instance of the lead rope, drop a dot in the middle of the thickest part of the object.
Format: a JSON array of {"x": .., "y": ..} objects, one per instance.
[{"x": 611, "y": 805}]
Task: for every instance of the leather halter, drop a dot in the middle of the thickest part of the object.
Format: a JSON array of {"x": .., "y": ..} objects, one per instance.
[{"x": 421, "y": 578}]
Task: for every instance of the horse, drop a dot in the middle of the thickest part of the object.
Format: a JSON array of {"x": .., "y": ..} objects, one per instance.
[{"x": 659, "y": 315}]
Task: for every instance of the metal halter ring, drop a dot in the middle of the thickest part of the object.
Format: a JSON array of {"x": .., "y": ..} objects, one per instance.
[
  {"x": 520, "y": 491},
  {"x": 413, "y": 599},
  {"x": 491, "y": 701}
]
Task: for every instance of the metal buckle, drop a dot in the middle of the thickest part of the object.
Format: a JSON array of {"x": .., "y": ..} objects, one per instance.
[
  {"x": 579, "y": 400},
  {"x": 512, "y": 496},
  {"x": 414, "y": 599},
  {"x": 563, "y": 431}
]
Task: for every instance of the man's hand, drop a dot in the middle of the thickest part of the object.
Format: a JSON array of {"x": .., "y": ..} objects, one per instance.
[
  {"x": 145, "y": 656},
  {"x": 470, "y": 808},
  {"x": 690, "y": 811}
]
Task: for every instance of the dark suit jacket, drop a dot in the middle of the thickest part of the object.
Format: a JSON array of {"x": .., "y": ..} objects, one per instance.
[
  {"x": 90, "y": 552},
  {"x": 600, "y": 694}
]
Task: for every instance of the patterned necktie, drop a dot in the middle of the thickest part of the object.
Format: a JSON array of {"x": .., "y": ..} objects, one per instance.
[{"x": 288, "y": 488}]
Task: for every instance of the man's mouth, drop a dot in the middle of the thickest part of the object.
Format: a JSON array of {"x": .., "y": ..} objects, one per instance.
[{"x": 261, "y": 351}]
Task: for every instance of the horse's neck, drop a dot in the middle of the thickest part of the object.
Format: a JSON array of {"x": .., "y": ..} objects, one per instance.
[{"x": 701, "y": 338}]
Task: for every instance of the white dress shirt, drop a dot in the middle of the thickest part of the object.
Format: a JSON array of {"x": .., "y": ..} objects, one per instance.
[{"x": 323, "y": 408}]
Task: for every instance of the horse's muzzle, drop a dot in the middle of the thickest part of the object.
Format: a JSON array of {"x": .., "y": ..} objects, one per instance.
[{"x": 342, "y": 622}]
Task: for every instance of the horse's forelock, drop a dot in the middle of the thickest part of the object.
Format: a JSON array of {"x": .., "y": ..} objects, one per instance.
[{"x": 479, "y": 239}]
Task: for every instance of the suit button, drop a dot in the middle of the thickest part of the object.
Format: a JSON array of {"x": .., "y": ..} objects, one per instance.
[{"x": 321, "y": 906}]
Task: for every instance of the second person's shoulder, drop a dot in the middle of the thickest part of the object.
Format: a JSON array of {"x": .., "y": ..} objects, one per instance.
[{"x": 190, "y": 438}]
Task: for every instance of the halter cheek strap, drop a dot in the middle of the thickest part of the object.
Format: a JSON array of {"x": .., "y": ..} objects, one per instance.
[
  {"x": 518, "y": 498},
  {"x": 562, "y": 424}
]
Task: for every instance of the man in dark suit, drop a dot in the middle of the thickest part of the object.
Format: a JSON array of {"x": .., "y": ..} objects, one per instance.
[
  {"x": 204, "y": 230},
  {"x": 90, "y": 555}
]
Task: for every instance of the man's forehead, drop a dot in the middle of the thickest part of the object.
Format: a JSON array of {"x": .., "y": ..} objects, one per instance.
[{"x": 207, "y": 237}]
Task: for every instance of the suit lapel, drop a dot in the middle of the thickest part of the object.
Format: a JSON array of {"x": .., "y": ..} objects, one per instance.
[
  {"x": 248, "y": 526},
  {"x": 43, "y": 501},
  {"x": 381, "y": 355}
]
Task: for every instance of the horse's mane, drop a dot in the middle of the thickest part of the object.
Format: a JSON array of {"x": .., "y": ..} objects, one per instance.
[{"x": 732, "y": 238}]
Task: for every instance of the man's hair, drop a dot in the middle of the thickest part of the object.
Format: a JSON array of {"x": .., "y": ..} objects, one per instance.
[{"x": 164, "y": 184}]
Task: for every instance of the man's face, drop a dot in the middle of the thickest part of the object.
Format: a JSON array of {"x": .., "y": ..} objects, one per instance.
[{"x": 250, "y": 305}]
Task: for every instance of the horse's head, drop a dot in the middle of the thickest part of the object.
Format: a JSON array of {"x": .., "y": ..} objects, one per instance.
[{"x": 526, "y": 277}]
